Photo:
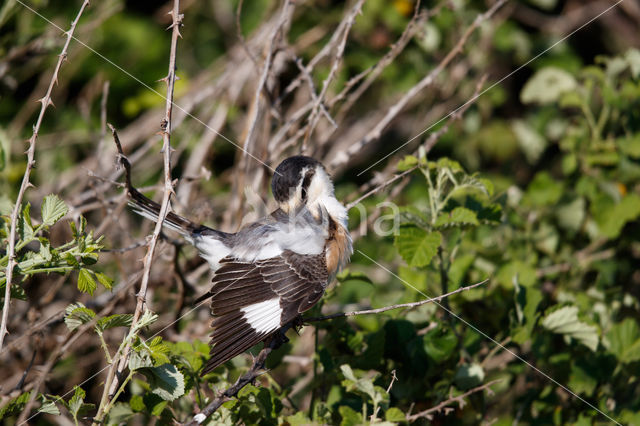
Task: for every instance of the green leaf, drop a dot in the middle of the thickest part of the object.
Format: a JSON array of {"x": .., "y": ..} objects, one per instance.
[
  {"x": 349, "y": 416},
  {"x": 630, "y": 145},
  {"x": 547, "y": 85},
  {"x": 611, "y": 220},
  {"x": 120, "y": 413},
  {"x": 633, "y": 59},
  {"x": 440, "y": 343},
  {"x": 147, "y": 318},
  {"x": 417, "y": 246},
  {"x": 76, "y": 402},
  {"x": 571, "y": 215},
  {"x": 77, "y": 314},
  {"x": 137, "y": 403},
  {"x": 565, "y": 321},
  {"x": 469, "y": 376},
  {"x": 458, "y": 216},
  {"x": 139, "y": 360},
  {"x": 15, "y": 405},
  {"x": 527, "y": 300},
  {"x": 45, "y": 250},
  {"x": 53, "y": 209},
  {"x": 407, "y": 162},
  {"x": 580, "y": 381},
  {"x": 531, "y": 142},
  {"x": 25, "y": 228},
  {"x": 103, "y": 279},
  {"x": 394, "y": 414},
  {"x": 624, "y": 341},
  {"x": 543, "y": 190},
  {"x": 49, "y": 407},
  {"x": 86, "y": 283},
  {"x": 165, "y": 381},
  {"x": 112, "y": 321},
  {"x": 298, "y": 419}
]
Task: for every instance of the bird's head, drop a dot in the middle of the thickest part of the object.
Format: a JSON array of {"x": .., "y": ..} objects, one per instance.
[{"x": 303, "y": 181}]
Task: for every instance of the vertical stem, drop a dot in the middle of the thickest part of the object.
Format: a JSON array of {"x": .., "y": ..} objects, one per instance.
[
  {"x": 165, "y": 127},
  {"x": 444, "y": 282},
  {"x": 45, "y": 102}
]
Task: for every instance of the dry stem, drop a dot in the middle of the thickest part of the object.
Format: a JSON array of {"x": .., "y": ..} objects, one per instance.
[
  {"x": 427, "y": 81},
  {"x": 165, "y": 128},
  {"x": 45, "y": 101},
  {"x": 444, "y": 405},
  {"x": 391, "y": 307}
]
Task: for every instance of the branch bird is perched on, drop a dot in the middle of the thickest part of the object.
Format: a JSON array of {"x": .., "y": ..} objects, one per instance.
[{"x": 272, "y": 270}]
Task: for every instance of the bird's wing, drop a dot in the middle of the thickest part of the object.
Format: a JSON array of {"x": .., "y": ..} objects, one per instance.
[{"x": 250, "y": 301}]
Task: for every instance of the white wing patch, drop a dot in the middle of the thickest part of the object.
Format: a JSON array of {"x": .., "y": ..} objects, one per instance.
[{"x": 263, "y": 317}]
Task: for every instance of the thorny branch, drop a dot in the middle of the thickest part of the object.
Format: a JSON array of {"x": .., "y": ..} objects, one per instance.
[
  {"x": 165, "y": 128},
  {"x": 45, "y": 101},
  {"x": 444, "y": 405},
  {"x": 256, "y": 370},
  {"x": 427, "y": 81},
  {"x": 391, "y": 307},
  {"x": 428, "y": 145}
]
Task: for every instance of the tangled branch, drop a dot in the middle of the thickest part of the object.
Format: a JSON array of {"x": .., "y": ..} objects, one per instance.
[{"x": 45, "y": 102}]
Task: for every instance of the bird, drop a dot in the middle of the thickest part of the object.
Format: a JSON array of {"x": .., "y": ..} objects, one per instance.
[{"x": 272, "y": 270}]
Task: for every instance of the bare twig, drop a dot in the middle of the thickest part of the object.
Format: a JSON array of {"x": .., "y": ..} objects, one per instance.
[
  {"x": 391, "y": 307},
  {"x": 256, "y": 370},
  {"x": 374, "y": 417},
  {"x": 63, "y": 345},
  {"x": 428, "y": 145},
  {"x": 337, "y": 60},
  {"x": 166, "y": 129},
  {"x": 444, "y": 405},
  {"x": 45, "y": 101},
  {"x": 427, "y": 81}
]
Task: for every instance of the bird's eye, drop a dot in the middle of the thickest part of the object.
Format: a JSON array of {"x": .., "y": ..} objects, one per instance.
[{"x": 304, "y": 194}]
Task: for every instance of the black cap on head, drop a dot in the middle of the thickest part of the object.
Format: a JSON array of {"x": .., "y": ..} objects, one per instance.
[{"x": 288, "y": 175}]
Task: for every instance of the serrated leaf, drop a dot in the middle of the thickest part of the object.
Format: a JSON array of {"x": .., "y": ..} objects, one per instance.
[
  {"x": 15, "y": 405},
  {"x": 417, "y": 246},
  {"x": 49, "y": 407},
  {"x": 86, "y": 283},
  {"x": 547, "y": 85},
  {"x": 165, "y": 381},
  {"x": 45, "y": 250},
  {"x": 146, "y": 319},
  {"x": 76, "y": 401},
  {"x": 53, "y": 209},
  {"x": 77, "y": 314},
  {"x": 119, "y": 413},
  {"x": 139, "y": 360},
  {"x": 459, "y": 215},
  {"x": 112, "y": 321},
  {"x": 565, "y": 321},
  {"x": 105, "y": 280},
  {"x": 624, "y": 341},
  {"x": 25, "y": 228},
  {"x": 394, "y": 414},
  {"x": 407, "y": 162}
]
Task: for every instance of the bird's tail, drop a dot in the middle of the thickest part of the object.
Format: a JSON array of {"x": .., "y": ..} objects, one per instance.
[{"x": 148, "y": 208}]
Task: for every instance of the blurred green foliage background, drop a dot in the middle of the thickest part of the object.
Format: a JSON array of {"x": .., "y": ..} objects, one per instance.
[{"x": 535, "y": 187}]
